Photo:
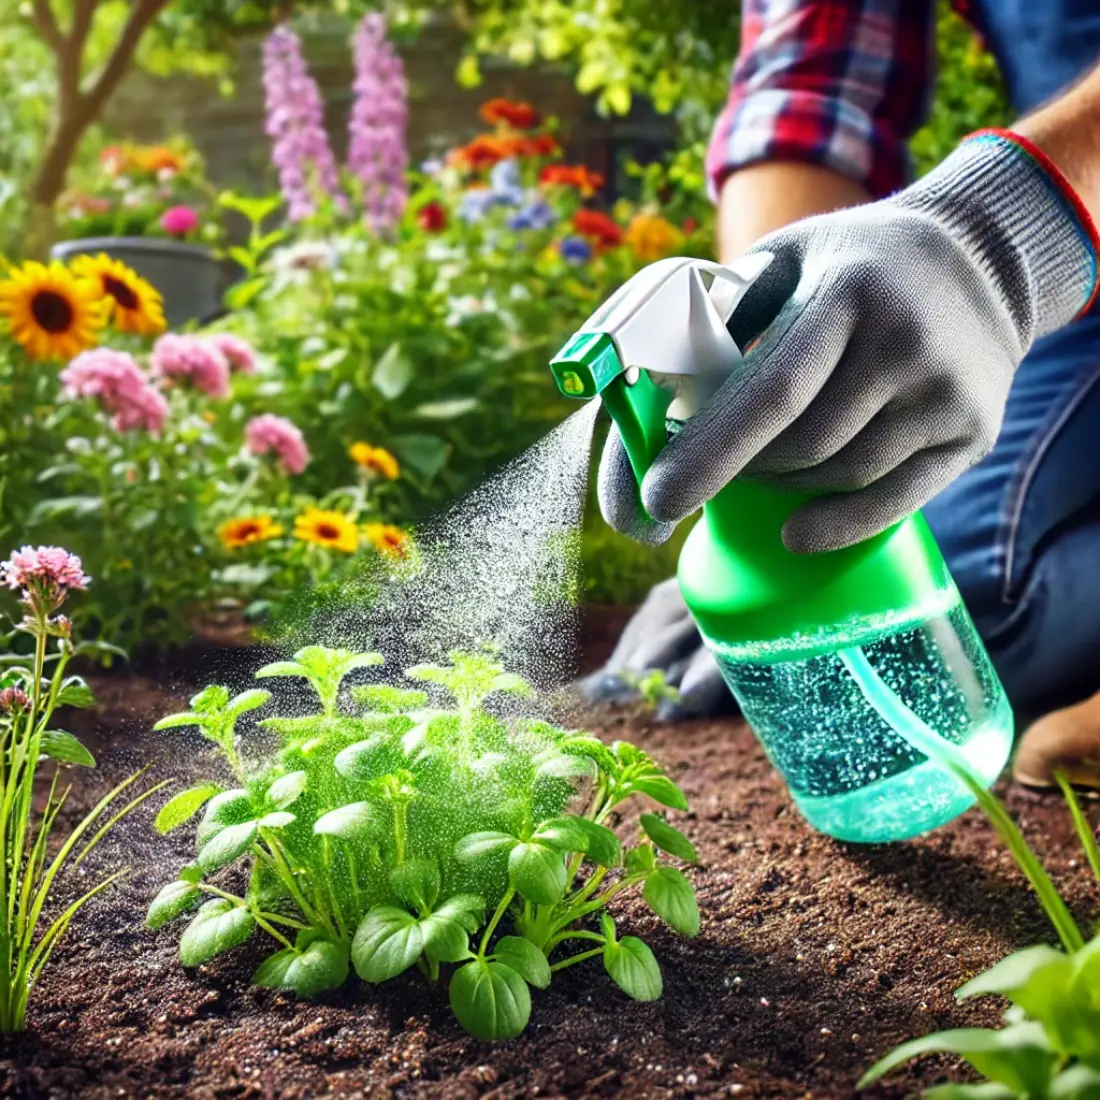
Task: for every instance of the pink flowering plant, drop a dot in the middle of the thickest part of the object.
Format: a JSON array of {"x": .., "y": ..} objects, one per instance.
[{"x": 32, "y": 689}]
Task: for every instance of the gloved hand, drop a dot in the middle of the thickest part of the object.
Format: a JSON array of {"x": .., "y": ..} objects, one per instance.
[
  {"x": 890, "y": 336},
  {"x": 662, "y": 635}
]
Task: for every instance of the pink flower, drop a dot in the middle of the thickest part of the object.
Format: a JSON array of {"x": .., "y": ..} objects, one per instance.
[
  {"x": 14, "y": 700},
  {"x": 193, "y": 359},
  {"x": 114, "y": 379},
  {"x": 179, "y": 220},
  {"x": 46, "y": 574},
  {"x": 239, "y": 353},
  {"x": 276, "y": 434}
]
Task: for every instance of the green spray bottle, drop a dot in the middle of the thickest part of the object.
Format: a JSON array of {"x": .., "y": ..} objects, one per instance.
[{"x": 859, "y": 669}]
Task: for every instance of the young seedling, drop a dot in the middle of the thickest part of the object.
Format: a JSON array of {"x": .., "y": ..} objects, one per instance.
[{"x": 402, "y": 828}]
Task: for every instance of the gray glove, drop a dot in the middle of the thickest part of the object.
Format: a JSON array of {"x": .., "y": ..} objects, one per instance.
[
  {"x": 662, "y": 635},
  {"x": 891, "y": 333}
]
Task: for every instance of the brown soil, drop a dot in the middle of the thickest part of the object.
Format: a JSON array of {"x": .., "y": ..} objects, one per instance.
[{"x": 814, "y": 957}]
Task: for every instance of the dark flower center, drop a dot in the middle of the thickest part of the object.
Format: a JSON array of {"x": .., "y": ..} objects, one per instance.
[
  {"x": 121, "y": 293},
  {"x": 52, "y": 311},
  {"x": 327, "y": 531}
]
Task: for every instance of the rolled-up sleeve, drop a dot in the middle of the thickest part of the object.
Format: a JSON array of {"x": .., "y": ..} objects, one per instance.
[{"x": 842, "y": 83}]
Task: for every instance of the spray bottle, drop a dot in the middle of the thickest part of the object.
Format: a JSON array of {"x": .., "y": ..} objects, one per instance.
[{"x": 859, "y": 669}]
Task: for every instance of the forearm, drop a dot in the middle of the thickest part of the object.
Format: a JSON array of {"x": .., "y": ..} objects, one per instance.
[
  {"x": 769, "y": 195},
  {"x": 1068, "y": 132}
]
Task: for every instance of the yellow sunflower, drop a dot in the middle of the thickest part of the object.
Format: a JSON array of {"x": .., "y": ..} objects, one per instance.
[
  {"x": 375, "y": 459},
  {"x": 135, "y": 304},
  {"x": 387, "y": 539},
  {"x": 50, "y": 312},
  {"x": 245, "y": 530},
  {"x": 333, "y": 530}
]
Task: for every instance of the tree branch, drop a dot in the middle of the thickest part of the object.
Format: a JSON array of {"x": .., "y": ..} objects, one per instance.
[
  {"x": 141, "y": 15},
  {"x": 46, "y": 25},
  {"x": 83, "y": 13}
]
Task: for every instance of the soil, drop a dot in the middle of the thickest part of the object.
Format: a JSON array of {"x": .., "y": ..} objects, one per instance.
[{"x": 814, "y": 956}]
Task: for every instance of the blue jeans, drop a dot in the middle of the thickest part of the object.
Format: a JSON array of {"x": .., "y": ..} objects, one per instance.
[{"x": 1021, "y": 530}]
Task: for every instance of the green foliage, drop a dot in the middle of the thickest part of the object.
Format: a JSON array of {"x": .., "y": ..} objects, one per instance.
[
  {"x": 1049, "y": 1048},
  {"x": 399, "y": 829}
]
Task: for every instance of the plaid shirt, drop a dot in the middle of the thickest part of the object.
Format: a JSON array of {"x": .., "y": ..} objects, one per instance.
[{"x": 842, "y": 83}]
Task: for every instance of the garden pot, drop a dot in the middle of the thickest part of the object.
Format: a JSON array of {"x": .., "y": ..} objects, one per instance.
[{"x": 187, "y": 275}]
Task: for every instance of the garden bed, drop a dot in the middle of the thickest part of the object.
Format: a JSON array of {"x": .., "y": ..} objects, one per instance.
[{"x": 814, "y": 957}]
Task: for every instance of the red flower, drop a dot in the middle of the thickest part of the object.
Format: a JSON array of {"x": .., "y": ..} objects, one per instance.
[
  {"x": 542, "y": 145},
  {"x": 432, "y": 217},
  {"x": 690, "y": 225},
  {"x": 597, "y": 227},
  {"x": 572, "y": 175},
  {"x": 482, "y": 152},
  {"x": 508, "y": 112}
]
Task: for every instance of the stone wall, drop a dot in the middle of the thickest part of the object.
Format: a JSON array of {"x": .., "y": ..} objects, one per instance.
[{"x": 229, "y": 132}]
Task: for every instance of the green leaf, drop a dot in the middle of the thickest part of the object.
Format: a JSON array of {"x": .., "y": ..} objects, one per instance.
[
  {"x": 986, "y": 1090},
  {"x": 633, "y": 968},
  {"x": 281, "y": 668},
  {"x": 173, "y": 899},
  {"x": 65, "y": 748},
  {"x": 424, "y": 455},
  {"x": 233, "y": 807},
  {"x": 640, "y": 860},
  {"x": 668, "y": 839},
  {"x": 661, "y": 789},
  {"x": 478, "y": 845},
  {"x": 365, "y": 759},
  {"x": 669, "y": 894},
  {"x": 174, "y": 721},
  {"x": 241, "y": 294},
  {"x": 449, "y": 409},
  {"x": 384, "y": 699},
  {"x": 321, "y": 965},
  {"x": 387, "y": 941},
  {"x": 467, "y": 909},
  {"x": 277, "y": 819},
  {"x": 226, "y": 845},
  {"x": 285, "y": 790},
  {"x": 1079, "y": 1082},
  {"x": 445, "y": 939},
  {"x": 537, "y": 872},
  {"x": 392, "y": 373},
  {"x": 347, "y": 822},
  {"x": 53, "y": 508},
  {"x": 564, "y": 833},
  {"x": 212, "y": 700},
  {"x": 252, "y": 699},
  {"x": 183, "y": 806},
  {"x": 1016, "y": 1056},
  {"x": 603, "y": 845},
  {"x": 1013, "y": 972},
  {"x": 490, "y": 1000},
  {"x": 552, "y": 764},
  {"x": 525, "y": 959},
  {"x": 417, "y": 883},
  {"x": 218, "y": 926},
  {"x": 75, "y": 693}
]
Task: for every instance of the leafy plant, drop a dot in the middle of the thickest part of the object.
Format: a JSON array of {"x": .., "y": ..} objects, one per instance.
[
  {"x": 401, "y": 827},
  {"x": 1049, "y": 1048},
  {"x": 30, "y": 694}
]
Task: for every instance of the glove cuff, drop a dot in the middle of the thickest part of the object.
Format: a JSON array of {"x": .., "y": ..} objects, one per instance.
[{"x": 1008, "y": 204}]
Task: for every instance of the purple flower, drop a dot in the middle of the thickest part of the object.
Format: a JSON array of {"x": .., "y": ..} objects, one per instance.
[
  {"x": 576, "y": 250},
  {"x": 46, "y": 574},
  {"x": 270, "y": 434},
  {"x": 376, "y": 127},
  {"x": 295, "y": 123},
  {"x": 194, "y": 359}
]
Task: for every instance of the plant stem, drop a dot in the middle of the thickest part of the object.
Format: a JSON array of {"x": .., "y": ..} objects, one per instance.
[
  {"x": 495, "y": 919},
  {"x": 579, "y": 934},
  {"x": 574, "y": 959}
]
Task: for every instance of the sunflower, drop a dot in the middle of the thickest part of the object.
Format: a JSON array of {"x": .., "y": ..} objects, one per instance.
[
  {"x": 245, "y": 530},
  {"x": 375, "y": 460},
  {"x": 135, "y": 304},
  {"x": 50, "y": 312},
  {"x": 333, "y": 530},
  {"x": 387, "y": 539}
]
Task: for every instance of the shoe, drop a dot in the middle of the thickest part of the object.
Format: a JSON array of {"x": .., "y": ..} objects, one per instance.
[{"x": 1067, "y": 741}]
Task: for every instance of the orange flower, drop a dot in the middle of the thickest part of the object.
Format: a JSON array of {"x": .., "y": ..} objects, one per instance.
[
  {"x": 333, "y": 530},
  {"x": 375, "y": 459},
  {"x": 159, "y": 158},
  {"x": 542, "y": 145},
  {"x": 576, "y": 176},
  {"x": 387, "y": 539},
  {"x": 245, "y": 530},
  {"x": 483, "y": 152},
  {"x": 509, "y": 112},
  {"x": 597, "y": 227},
  {"x": 651, "y": 237}
]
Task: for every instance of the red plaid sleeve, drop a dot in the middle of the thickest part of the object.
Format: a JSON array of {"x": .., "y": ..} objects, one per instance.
[{"x": 842, "y": 83}]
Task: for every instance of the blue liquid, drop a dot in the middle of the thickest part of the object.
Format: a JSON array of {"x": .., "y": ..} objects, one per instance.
[{"x": 850, "y": 771}]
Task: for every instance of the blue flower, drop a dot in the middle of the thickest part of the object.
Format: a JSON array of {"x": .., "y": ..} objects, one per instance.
[
  {"x": 475, "y": 204},
  {"x": 576, "y": 250},
  {"x": 535, "y": 215},
  {"x": 504, "y": 179}
]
